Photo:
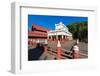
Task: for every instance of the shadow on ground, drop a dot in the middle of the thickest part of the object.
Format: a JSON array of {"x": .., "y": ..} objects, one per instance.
[{"x": 35, "y": 53}]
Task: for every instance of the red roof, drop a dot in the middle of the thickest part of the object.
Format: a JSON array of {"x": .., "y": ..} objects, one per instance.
[
  {"x": 37, "y": 27},
  {"x": 37, "y": 34},
  {"x": 38, "y": 31}
]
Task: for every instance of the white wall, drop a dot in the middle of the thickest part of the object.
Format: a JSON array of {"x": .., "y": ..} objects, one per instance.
[{"x": 5, "y": 42}]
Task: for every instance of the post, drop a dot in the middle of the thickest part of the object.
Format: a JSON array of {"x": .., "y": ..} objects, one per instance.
[
  {"x": 62, "y": 37},
  {"x": 47, "y": 37},
  {"x": 65, "y": 37},
  {"x": 56, "y": 37},
  {"x": 58, "y": 50},
  {"x": 76, "y": 53},
  {"x": 51, "y": 38},
  {"x": 46, "y": 47},
  {"x": 37, "y": 41},
  {"x": 31, "y": 43},
  {"x": 77, "y": 41}
]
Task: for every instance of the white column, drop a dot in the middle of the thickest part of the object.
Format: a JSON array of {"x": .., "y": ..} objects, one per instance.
[
  {"x": 57, "y": 37},
  {"x": 51, "y": 37},
  {"x": 65, "y": 37},
  {"x": 62, "y": 36}
]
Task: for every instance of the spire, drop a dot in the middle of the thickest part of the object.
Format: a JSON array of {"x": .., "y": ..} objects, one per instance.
[{"x": 60, "y": 23}]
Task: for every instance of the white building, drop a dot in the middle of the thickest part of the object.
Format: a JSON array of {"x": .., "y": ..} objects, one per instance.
[{"x": 61, "y": 32}]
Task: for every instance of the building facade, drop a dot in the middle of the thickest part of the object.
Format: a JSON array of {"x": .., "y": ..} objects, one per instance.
[
  {"x": 37, "y": 34},
  {"x": 61, "y": 32}
]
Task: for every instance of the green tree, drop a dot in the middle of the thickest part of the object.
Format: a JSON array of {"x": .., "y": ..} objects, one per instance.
[{"x": 79, "y": 30}]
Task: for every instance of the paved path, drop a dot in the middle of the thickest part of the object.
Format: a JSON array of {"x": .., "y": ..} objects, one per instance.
[
  {"x": 68, "y": 45},
  {"x": 38, "y": 53}
]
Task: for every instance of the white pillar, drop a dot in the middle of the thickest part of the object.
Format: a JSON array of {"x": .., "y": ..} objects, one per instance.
[
  {"x": 51, "y": 37},
  {"x": 62, "y": 36},
  {"x": 57, "y": 37},
  {"x": 65, "y": 37}
]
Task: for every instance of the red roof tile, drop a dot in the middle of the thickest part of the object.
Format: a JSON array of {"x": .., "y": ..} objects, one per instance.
[
  {"x": 37, "y": 27},
  {"x": 38, "y": 31},
  {"x": 37, "y": 34}
]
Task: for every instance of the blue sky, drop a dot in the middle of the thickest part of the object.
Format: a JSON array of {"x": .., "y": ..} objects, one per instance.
[{"x": 49, "y": 21}]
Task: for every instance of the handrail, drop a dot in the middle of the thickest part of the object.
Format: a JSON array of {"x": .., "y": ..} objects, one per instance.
[
  {"x": 63, "y": 54},
  {"x": 67, "y": 51}
]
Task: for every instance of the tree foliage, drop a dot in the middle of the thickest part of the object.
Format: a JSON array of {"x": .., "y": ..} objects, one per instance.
[{"x": 79, "y": 30}]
